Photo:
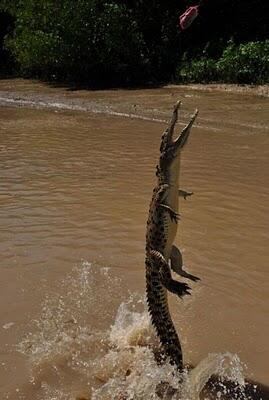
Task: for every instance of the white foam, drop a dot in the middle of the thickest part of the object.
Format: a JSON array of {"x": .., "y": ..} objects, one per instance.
[{"x": 116, "y": 362}]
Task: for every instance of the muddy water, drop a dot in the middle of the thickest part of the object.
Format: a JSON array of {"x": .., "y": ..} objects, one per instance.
[{"x": 77, "y": 171}]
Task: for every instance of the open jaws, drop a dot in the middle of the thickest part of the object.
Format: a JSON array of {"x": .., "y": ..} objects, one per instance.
[{"x": 182, "y": 138}]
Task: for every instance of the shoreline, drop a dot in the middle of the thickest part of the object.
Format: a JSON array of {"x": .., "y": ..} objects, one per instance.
[
  {"x": 255, "y": 90},
  {"x": 145, "y": 104}
]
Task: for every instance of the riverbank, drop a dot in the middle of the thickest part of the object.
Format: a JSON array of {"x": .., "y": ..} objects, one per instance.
[
  {"x": 219, "y": 105},
  {"x": 255, "y": 90},
  {"x": 20, "y": 84}
]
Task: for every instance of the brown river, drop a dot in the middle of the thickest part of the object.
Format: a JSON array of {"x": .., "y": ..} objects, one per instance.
[{"x": 77, "y": 172}]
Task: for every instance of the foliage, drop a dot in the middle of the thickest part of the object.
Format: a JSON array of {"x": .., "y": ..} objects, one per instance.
[
  {"x": 246, "y": 63},
  {"x": 115, "y": 42},
  {"x": 203, "y": 71},
  {"x": 78, "y": 41}
]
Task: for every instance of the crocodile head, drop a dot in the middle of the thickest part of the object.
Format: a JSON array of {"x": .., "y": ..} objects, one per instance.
[{"x": 170, "y": 148}]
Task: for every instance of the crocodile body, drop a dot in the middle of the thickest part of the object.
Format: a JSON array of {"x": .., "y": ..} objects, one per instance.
[{"x": 161, "y": 254}]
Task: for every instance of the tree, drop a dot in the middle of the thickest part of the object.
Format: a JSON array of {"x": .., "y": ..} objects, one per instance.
[{"x": 84, "y": 41}]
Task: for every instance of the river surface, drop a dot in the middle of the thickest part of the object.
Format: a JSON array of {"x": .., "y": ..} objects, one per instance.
[{"x": 77, "y": 171}]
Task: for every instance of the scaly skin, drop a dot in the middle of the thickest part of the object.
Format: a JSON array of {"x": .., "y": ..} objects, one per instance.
[{"x": 161, "y": 232}]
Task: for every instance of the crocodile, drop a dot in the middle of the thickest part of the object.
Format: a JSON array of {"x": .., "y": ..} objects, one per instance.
[{"x": 161, "y": 254}]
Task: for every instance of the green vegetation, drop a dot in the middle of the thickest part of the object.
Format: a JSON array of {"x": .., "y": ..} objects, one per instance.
[
  {"x": 115, "y": 42},
  {"x": 245, "y": 63},
  {"x": 84, "y": 39}
]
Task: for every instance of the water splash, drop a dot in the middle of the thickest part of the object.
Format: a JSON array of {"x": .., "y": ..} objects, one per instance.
[
  {"x": 133, "y": 372},
  {"x": 90, "y": 344},
  {"x": 227, "y": 367}
]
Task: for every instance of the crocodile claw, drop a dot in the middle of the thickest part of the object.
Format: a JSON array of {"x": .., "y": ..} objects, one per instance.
[
  {"x": 174, "y": 215},
  {"x": 189, "y": 276},
  {"x": 187, "y": 194},
  {"x": 184, "y": 194},
  {"x": 194, "y": 278},
  {"x": 183, "y": 289}
]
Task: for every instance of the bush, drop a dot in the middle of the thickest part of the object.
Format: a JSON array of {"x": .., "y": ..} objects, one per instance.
[
  {"x": 6, "y": 61},
  {"x": 82, "y": 41},
  {"x": 246, "y": 63},
  {"x": 112, "y": 42},
  {"x": 202, "y": 71}
]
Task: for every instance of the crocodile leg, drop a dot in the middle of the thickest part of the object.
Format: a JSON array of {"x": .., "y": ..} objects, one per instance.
[
  {"x": 167, "y": 281},
  {"x": 160, "y": 197},
  {"x": 173, "y": 215},
  {"x": 177, "y": 264},
  {"x": 183, "y": 193}
]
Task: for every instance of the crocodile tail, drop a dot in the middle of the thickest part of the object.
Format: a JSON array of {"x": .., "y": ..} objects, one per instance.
[{"x": 161, "y": 318}]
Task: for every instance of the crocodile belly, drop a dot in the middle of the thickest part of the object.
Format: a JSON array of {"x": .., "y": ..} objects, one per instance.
[{"x": 170, "y": 228}]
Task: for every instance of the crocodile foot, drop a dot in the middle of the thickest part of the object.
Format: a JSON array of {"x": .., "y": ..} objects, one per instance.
[
  {"x": 184, "y": 194},
  {"x": 178, "y": 288},
  {"x": 173, "y": 286},
  {"x": 173, "y": 215},
  {"x": 190, "y": 276}
]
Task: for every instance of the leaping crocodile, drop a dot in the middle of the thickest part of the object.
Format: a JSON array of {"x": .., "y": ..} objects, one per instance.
[{"x": 161, "y": 253}]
